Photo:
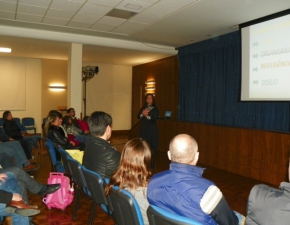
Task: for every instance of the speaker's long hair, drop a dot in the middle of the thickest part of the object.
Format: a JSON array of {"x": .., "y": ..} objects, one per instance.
[
  {"x": 153, "y": 98},
  {"x": 134, "y": 169}
]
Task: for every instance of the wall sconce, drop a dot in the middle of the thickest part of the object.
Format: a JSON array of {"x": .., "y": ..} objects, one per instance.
[
  {"x": 150, "y": 87},
  {"x": 150, "y": 82},
  {"x": 7, "y": 50},
  {"x": 57, "y": 87}
]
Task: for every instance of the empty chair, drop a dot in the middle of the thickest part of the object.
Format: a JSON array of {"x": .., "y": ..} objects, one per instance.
[
  {"x": 79, "y": 179},
  {"x": 158, "y": 216},
  {"x": 95, "y": 184},
  {"x": 56, "y": 164},
  {"x": 28, "y": 123},
  {"x": 125, "y": 208}
]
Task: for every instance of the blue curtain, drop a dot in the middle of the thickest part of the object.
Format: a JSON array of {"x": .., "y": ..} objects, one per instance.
[{"x": 210, "y": 85}]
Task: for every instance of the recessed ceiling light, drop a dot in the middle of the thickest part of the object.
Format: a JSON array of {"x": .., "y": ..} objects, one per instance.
[
  {"x": 5, "y": 49},
  {"x": 123, "y": 14}
]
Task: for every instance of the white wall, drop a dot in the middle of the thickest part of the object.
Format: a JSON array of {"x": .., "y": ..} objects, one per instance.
[
  {"x": 33, "y": 93},
  {"x": 111, "y": 91}
]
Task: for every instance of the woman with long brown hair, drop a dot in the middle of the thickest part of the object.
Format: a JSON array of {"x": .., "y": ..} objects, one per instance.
[
  {"x": 134, "y": 172},
  {"x": 54, "y": 132},
  {"x": 148, "y": 115}
]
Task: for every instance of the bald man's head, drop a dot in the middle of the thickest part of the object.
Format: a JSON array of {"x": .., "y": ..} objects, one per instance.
[{"x": 183, "y": 149}]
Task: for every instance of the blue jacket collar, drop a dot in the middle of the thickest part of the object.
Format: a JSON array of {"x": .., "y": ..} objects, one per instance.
[{"x": 186, "y": 168}]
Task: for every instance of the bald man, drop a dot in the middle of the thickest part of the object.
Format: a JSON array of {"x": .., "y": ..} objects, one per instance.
[{"x": 183, "y": 191}]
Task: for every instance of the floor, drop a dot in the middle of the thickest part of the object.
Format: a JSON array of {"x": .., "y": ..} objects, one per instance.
[{"x": 235, "y": 188}]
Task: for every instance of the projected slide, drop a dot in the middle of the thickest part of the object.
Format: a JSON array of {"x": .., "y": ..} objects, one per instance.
[{"x": 268, "y": 62}]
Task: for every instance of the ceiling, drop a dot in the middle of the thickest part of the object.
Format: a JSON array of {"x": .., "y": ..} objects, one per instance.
[{"x": 152, "y": 30}]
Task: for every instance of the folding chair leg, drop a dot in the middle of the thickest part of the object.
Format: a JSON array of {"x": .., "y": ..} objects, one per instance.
[
  {"x": 78, "y": 194},
  {"x": 92, "y": 214}
]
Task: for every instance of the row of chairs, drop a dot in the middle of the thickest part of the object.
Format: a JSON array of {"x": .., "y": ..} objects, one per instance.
[
  {"x": 25, "y": 124},
  {"x": 121, "y": 206}
]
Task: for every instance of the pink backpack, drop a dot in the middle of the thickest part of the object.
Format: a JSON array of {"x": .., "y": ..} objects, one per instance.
[{"x": 63, "y": 196}]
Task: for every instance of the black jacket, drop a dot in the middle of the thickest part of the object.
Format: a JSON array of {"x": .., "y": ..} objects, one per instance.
[
  {"x": 55, "y": 134},
  {"x": 101, "y": 157},
  {"x": 3, "y": 137},
  {"x": 148, "y": 129},
  {"x": 12, "y": 130}
]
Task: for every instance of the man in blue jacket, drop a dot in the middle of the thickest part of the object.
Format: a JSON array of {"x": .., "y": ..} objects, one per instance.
[{"x": 183, "y": 190}]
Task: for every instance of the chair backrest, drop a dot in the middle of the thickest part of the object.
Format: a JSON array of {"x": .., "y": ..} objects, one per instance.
[
  {"x": 57, "y": 165},
  {"x": 77, "y": 173},
  {"x": 125, "y": 208},
  {"x": 158, "y": 216},
  {"x": 64, "y": 156},
  {"x": 17, "y": 120},
  {"x": 95, "y": 184},
  {"x": 28, "y": 121},
  {"x": 1, "y": 122},
  {"x": 19, "y": 124}
]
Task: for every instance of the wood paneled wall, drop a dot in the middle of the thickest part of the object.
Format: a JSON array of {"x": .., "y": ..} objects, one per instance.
[
  {"x": 165, "y": 72},
  {"x": 257, "y": 154}
]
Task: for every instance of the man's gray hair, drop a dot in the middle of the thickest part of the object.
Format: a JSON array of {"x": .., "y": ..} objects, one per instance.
[{"x": 183, "y": 148}]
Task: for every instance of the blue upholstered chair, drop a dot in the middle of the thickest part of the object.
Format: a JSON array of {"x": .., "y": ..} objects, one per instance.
[
  {"x": 18, "y": 122},
  {"x": 29, "y": 123},
  {"x": 78, "y": 179},
  {"x": 158, "y": 216},
  {"x": 64, "y": 157},
  {"x": 125, "y": 208},
  {"x": 95, "y": 184},
  {"x": 56, "y": 164}
]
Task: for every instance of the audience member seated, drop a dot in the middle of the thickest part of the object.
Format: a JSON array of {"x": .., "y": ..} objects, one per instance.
[
  {"x": 31, "y": 138},
  {"x": 183, "y": 190},
  {"x": 134, "y": 173},
  {"x": 71, "y": 130},
  {"x": 72, "y": 114},
  {"x": 84, "y": 131},
  {"x": 14, "y": 133},
  {"x": 25, "y": 182},
  {"x": 15, "y": 150},
  {"x": 11, "y": 203},
  {"x": 99, "y": 155},
  {"x": 56, "y": 133},
  {"x": 268, "y": 205},
  {"x": 84, "y": 125}
]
